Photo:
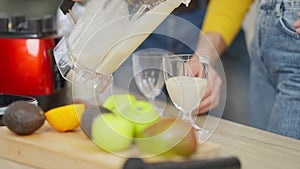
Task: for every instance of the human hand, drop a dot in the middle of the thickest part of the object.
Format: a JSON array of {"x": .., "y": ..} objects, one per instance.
[
  {"x": 212, "y": 45},
  {"x": 212, "y": 93},
  {"x": 297, "y": 24},
  {"x": 211, "y": 97}
]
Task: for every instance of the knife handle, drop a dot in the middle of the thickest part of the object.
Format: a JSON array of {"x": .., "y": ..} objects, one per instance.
[
  {"x": 66, "y": 5},
  {"x": 215, "y": 163}
]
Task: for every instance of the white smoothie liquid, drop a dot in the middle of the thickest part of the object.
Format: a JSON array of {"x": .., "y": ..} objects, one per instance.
[
  {"x": 105, "y": 37},
  {"x": 186, "y": 92}
]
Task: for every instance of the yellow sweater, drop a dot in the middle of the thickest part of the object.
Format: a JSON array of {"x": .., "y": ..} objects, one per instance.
[{"x": 225, "y": 17}]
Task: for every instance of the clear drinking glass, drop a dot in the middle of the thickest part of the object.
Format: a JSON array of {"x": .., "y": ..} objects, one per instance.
[
  {"x": 148, "y": 73},
  {"x": 186, "y": 80}
]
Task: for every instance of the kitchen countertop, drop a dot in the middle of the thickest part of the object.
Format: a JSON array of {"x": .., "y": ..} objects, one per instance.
[{"x": 255, "y": 148}]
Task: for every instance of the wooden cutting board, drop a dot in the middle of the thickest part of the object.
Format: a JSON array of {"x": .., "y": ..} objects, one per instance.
[{"x": 47, "y": 148}]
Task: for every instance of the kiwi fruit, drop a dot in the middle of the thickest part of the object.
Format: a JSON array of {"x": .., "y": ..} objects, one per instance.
[
  {"x": 169, "y": 137},
  {"x": 23, "y": 118}
]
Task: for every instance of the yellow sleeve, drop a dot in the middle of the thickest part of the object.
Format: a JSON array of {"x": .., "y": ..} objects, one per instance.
[{"x": 225, "y": 17}]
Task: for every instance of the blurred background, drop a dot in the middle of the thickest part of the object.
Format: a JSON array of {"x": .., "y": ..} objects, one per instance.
[{"x": 30, "y": 8}]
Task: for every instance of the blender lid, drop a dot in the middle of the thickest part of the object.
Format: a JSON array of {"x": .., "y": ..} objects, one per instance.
[{"x": 18, "y": 26}]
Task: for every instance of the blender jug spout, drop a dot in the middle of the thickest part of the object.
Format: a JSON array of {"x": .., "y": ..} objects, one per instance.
[
  {"x": 186, "y": 2},
  {"x": 78, "y": 73}
]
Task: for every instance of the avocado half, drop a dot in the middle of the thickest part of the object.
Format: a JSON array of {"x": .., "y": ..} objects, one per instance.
[{"x": 23, "y": 118}]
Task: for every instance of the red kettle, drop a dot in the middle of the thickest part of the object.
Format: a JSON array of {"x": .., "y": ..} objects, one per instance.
[{"x": 27, "y": 66}]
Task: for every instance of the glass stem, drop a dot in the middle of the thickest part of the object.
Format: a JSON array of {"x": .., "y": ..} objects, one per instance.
[
  {"x": 152, "y": 102},
  {"x": 187, "y": 116}
]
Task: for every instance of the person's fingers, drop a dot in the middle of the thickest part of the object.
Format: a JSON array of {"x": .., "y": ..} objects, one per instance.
[
  {"x": 210, "y": 102},
  {"x": 206, "y": 100},
  {"x": 204, "y": 110},
  {"x": 211, "y": 98},
  {"x": 217, "y": 92},
  {"x": 209, "y": 87},
  {"x": 195, "y": 68},
  {"x": 204, "y": 106},
  {"x": 216, "y": 100},
  {"x": 207, "y": 93},
  {"x": 297, "y": 23}
]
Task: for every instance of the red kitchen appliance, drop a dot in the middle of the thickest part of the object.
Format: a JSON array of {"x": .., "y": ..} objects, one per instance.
[{"x": 27, "y": 66}]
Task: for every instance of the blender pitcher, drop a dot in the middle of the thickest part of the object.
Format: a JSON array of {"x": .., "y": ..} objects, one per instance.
[{"x": 105, "y": 35}]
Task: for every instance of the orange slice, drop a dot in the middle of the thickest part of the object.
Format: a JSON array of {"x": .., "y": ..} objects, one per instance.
[{"x": 65, "y": 118}]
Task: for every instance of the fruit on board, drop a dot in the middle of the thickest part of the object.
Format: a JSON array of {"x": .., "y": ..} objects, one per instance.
[
  {"x": 118, "y": 102},
  {"x": 88, "y": 116},
  {"x": 65, "y": 118},
  {"x": 111, "y": 132},
  {"x": 141, "y": 114},
  {"x": 23, "y": 118},
  {"x": 169, "y": 136}
]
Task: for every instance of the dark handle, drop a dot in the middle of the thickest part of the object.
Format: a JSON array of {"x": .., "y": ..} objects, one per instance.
[
  {"x": 66, "y": 6},
  {"x": 215, "y": 163}
]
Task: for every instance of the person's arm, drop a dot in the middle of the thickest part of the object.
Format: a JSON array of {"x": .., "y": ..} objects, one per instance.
[
  {"x": 225, "y": 17},
  {"x": 222, "y": 22}
]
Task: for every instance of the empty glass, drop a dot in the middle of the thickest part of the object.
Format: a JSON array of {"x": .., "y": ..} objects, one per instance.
[{"x": 148, "y": 72}]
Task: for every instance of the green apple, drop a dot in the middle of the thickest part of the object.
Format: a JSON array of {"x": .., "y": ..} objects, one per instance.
[
  {"x": 117, "y": 103},
  {"x": 111, "y": 132},
  {"x": 88, "y": 116},
  {"x": 141, "y": 114}
]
